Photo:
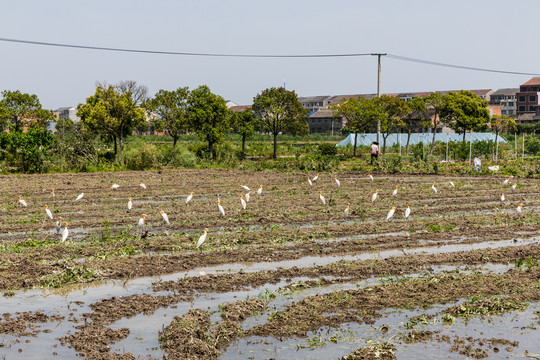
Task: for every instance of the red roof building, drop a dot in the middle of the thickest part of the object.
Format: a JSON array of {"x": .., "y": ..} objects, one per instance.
[{"x": 527, "y": 97}]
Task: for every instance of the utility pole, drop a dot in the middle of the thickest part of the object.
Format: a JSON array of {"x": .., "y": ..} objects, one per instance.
[{"x": 378, "y": 93}]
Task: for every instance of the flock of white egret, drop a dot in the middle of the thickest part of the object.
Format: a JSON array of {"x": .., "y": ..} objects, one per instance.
[{"x": 244, "y": 200}]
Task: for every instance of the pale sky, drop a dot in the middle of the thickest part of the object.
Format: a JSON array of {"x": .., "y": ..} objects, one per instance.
[{"x": 495, "y": 34}]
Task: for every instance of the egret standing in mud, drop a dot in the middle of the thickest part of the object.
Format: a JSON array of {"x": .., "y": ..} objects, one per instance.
[
  {"x": 243, "y": 202},
  {"x": 451, "y": 183},
  {"x": 370, "y": 177},
  {"x": 48, "y": 212},
  {"x": 514, "y": 187},
  {"x": 115, "y": 186},
  {"x": 309, "y": 182},
  {"x": 130, "y": 204},
  {"x": 502, "y": 197},
  {"x": 65, "y": 233},
  {"x": 390, "y": 213},
  {"x": 245, "y": 188},
  {"x": 142, "y": 222},
  {"x": 395, "y": 191},
  {"x": 433, "y": 188},
  {"x": 337, "y": 181},
  {"x": 79, "y": 197},
  {"x": 519, "y": 209},
  {"x": 165, "y": 217},
  {"x": 142, "y": 185},
  {"x": 220, "y": 208},
  {"x": 323, "y": 200},
  {"x": 22, "y": 202},
  {"x": 407, "y": 211},
  {"x": 374, "y": 196},
  {"x": 58, "y": 224},
  {"x": 259, "y": 191},
  {"x": 247, "y": 196},
  {"x": 202, "y": 239},
  {"x": 316, "y": 177},
  {"x": 505, "y": 182},
  {"x": 347, "y": 210},
  {"x": 190, "y": 196},
  {"x": 52, "y": 193}
]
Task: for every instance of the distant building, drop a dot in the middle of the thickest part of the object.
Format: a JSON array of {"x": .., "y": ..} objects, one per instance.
[
  {"x": 67, "y": 113},
  {"x": 230, "y": 103},
  {"x": 238, "y": 108},
  {"x": 506, "y": 98},
  {"x": 527, "y": 97},
  {"x": 314, "y": 103},
  {"x": 323, "y": 121}
]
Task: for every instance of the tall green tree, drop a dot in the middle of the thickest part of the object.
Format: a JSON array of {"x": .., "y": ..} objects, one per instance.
[
  {"x": 416, "y": 115},
  {"x": 465, "y": 111},
  {"x": 280, "y": 111},
  {"x": 243, "y": 123},
  {"x": 18, "y": 110},
  {"x": 502, "y": 123},
  {"x": 360, "y": 114},
  {"x": 110, "y": 113},
  {"x": 394, "y": 109},
  {"x": 208, "y": 116},
  {"x": 434, "y": 102},
  {"x": 171, "y": 110}
]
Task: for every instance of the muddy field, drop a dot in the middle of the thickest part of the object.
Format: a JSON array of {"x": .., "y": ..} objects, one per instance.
[{"x": 287, "y": 278}]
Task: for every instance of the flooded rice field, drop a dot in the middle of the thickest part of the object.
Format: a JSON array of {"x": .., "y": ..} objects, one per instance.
[{"x": 288, "y": 277}]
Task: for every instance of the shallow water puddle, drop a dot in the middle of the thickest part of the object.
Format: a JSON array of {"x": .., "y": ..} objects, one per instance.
[{"x": 333, "y": 343}]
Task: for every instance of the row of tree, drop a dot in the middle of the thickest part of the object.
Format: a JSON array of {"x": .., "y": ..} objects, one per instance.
[
  {"x": 116, "y": 111},
  {"x": 461, "y": 111}
]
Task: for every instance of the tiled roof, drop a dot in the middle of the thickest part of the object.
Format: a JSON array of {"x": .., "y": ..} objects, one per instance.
[
  {"x": 323, "y": 113},
  {"x": 507, "y": 91},
  {"x": 312, "y": 98},
  {"x": 240, "y": 108},
  {"x": 533, "y": 81}
]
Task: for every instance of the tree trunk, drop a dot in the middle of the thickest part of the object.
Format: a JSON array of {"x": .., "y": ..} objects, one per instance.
[
  {"x": 121, "y": 143},
  {"x": 408, "y": 138},
  {"x": 384, "y": 144},
  {"x": 175, "y": 139},
  {"x": 115, "y": 146},
  {"x": 211, "y": 150},
  {"x": 433, "y": 140},
  {"x": 243, "y": 144},
  {"x": 275, "y": 145},
  {"x": 354, "y": 146},
  {"x": 464, "y": 132}
]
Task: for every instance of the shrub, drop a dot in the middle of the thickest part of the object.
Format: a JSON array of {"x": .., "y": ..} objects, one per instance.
[
  {"x": 180, "y": 157},
  {"x": 532, "y": 145},
  {"x": 146, "y": 156},
  {"x": 327, "y": 149}
]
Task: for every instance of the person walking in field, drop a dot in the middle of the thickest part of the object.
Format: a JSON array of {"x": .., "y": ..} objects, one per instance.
[{"x": 374, "y": 151}]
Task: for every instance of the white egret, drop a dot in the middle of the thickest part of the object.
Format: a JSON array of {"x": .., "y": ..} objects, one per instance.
[
  {"x": 370, "y": 177},
  {"x": 390, "y": 213},
  {"x": 505, "y": 182},
  {"x": 65, "y": 233},
  {"x": 407, "y": 211},
  {"x": 202, "y": 238},
  {"x": 337, "y": 181},
  {"x": 58, "y": 224},
  {"x": 514, "y": 187},
  {"x": 247, "y": 196},
  {"x": 502, "y": 197},
  {"x": 309, "y": 182},
  {"x": 316, "y": 177},
  {"x": 434, "y": 188},
  {"x": 115, "y": 186},
  {"x": 347, "y": 209},
  {"x": 374, "y": 196},
  {"x": 259, "y": 191},
  {"x": 79, "y": 197},
  {"x": 322, "y": 198},
  {"x": 246, "y": 188},
  {"x": 220, "y": 208},
  {"x": 142, "y": 185},
  {"x": 451, "y": 183},
  {"x": 190, "y": 196},
  {"x": 395, "y": 191},
  {"x": 52, "y": 193},
  {"x": 49, "y": 213},
  {"x": 243, "y": 202},
  {"x": 519, "y": 209},
  {"x": 142, "y": 222},
  {"x": 22, "y": 202},
  {"x": 165, "y": 217},
  {"x": 130, "y": 204}
]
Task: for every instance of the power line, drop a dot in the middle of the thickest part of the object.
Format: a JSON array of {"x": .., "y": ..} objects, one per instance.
[
  {"x": 421, "y": 61},
  {"x": 180, "y": 53}
]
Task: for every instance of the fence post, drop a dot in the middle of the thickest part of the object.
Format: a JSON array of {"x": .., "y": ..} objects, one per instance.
[
  {"x": 523, "y": 148},
  {"x": 470, "y": 147}
]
